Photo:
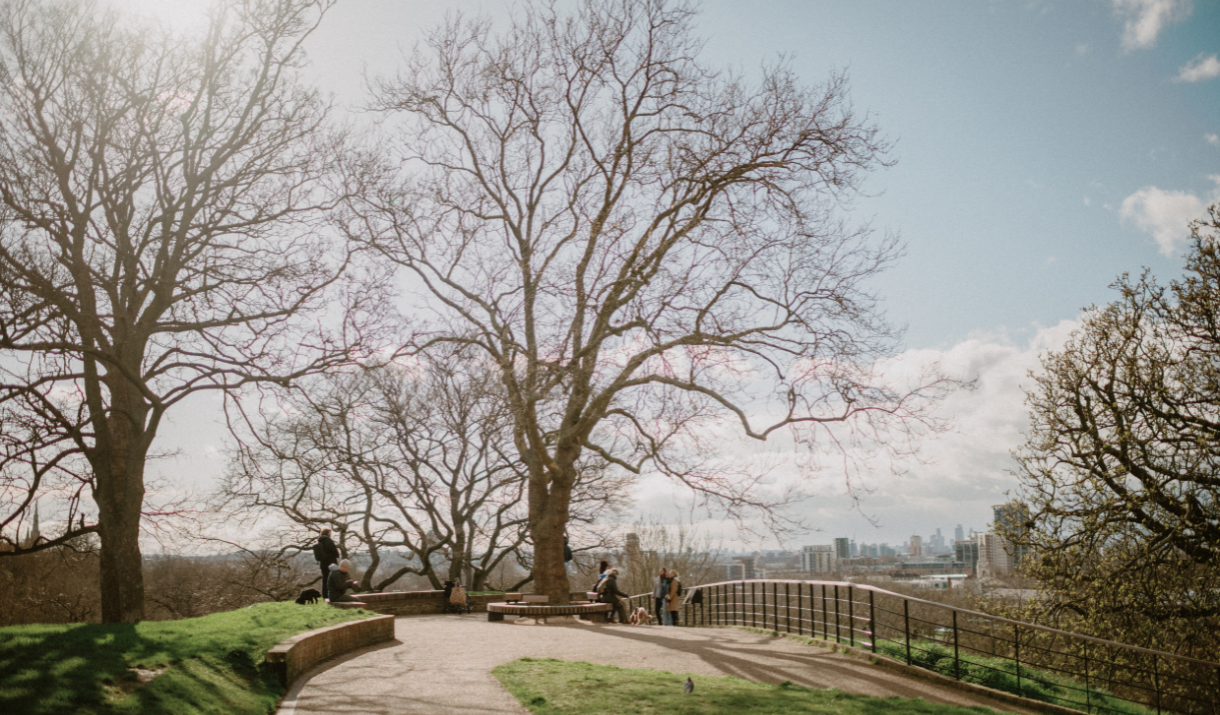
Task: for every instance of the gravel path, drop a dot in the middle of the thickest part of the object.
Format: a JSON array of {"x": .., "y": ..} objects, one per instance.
[{"x": 441, "y": 665}]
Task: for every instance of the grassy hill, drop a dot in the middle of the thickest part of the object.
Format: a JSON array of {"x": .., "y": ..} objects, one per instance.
[{"x": 198, "y": 665}]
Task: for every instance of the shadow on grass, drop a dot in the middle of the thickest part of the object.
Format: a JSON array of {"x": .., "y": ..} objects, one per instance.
[{"x": 209, "y": 664}]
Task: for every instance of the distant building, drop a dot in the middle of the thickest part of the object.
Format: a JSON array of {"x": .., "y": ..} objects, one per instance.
[
  {"x": 959, "y": 534},
  {"x": 916, "y": 547},
  {"x": 1011, "y": 519},
  {"x": 818, "y": 559},
  {"x": 993, "y": 556},
  {"x": 843, "y": 548},
  {"x": 632, "y": 548},
  {"x": 742, "y": 567},
  {"x": 967, "y": 552}
]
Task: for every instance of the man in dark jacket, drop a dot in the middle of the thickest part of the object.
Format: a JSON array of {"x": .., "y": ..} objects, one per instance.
[
  {"x": 339, "y": 583},
  {"x": 326, "y": 553},
  {"x": 611, "y": 594}
]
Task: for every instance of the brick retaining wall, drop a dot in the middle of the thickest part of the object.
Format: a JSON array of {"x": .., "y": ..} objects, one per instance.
[{"x": 292, "y": 657}]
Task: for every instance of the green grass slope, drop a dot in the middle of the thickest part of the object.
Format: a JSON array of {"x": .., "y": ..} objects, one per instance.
[
  {"x": 553, "y": 687},
  {"x": 197, "y": 665}
]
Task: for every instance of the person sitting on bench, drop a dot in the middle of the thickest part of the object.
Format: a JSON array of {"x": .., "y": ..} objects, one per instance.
[
  {"x": 612, "y": 595},
  {"x": 338, "y": 583}
]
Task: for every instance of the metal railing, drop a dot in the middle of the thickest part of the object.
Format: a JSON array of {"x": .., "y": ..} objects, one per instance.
[{"x": 1089, "y": 674}]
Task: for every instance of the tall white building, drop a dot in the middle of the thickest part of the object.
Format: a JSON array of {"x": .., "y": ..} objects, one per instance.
[
  {"x": 916, "y": 546},
  {"x": 818, "y": 559},
  {"x": 993, "y": 556}
]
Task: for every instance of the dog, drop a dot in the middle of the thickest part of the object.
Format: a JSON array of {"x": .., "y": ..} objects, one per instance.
[
  {"x": 309, "y": 595},
  {"x": 640, "y": 617}
]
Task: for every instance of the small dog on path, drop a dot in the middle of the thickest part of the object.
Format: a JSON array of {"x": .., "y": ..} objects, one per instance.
[
  {"x": 640, "y": 617},
  {"x": 309, "y": 595}
]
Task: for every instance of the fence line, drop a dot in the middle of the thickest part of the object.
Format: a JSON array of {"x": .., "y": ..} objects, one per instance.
[{"x": 1077, "y": 671}]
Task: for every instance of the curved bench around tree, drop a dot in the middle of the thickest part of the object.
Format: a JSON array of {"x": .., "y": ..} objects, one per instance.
[{"x": 597, "y": 612}]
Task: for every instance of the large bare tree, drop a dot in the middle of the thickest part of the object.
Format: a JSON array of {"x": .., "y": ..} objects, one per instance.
[
  {"x": 648, "y": 249},
  {"x": 416, "y": 462},
  {"x": 162, "y": 200}
]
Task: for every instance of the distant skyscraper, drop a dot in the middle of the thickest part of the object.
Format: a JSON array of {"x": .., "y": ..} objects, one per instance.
[
  {"x": 958, "y": 534},
  {"x": 916, "y": 546},
  {"x": 843, "y": 548}
]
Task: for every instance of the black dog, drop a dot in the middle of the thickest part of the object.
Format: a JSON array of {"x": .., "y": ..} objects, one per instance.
[{"x": 309, "y": 595}]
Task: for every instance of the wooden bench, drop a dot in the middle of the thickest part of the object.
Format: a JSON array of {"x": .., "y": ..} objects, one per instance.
[{"x": 536, "y": 606}]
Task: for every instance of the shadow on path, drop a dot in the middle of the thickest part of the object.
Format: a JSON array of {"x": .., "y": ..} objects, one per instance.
[{"x": 441, "y": 665}]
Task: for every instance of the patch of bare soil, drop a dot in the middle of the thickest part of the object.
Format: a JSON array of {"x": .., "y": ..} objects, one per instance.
[{"x": 129, "y": 681}]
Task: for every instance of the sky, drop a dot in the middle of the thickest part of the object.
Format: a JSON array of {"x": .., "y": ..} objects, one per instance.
[{"x": 1043, "y": 149}]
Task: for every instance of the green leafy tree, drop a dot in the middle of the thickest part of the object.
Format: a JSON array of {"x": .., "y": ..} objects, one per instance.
[{"x": 1121, "y": 468}]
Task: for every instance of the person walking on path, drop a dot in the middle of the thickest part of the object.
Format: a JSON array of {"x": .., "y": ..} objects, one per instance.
[
  {"x": 339, "y": 583},
  {"x": 611, "y": 594},
  {"x": 325, "y": 553},
  {"x": 673, "y": 598},
  {"x": 658, "y": 596}
]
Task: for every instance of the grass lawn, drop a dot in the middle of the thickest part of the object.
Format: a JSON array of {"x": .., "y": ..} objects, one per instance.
[
  {"x": 551, "y": 687},
  {"x": 196, "y": 665},
  {"x": 995, "y": 673}
]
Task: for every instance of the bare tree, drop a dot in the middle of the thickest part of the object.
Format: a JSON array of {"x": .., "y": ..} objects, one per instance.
[
  {"x": 648, "y": 249},
  {"x": 161, "y": 209},
  {"x": 414, "y": 461}
]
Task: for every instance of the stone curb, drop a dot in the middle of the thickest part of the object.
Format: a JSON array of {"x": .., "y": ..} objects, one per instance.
[
  {"x": 925, "y": 674},
  {"x": 292, "y": 657}
]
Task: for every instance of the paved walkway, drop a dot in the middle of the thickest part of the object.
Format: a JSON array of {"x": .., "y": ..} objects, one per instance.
[{"x": 441, "y": 665}]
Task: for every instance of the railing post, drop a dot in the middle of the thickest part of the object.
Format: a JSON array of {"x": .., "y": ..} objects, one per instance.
[
  {"x": 764, "y": 605},
  {"x": 906, "y": 626},
  {"x": 1088, "y": 701},
  {"x": 753, "y": 605},
  {"x": 1156, "y": 685},
  {"x": 825, "y": 616},
  {"x": 957, "y": 661},
  {"x": 1016, "y": 653},
  {"x": 775, "y": 605},
  {"x": 872, "y": 620},
  {"x": 788, "y": 607},
  {"x": 851, "y": 617},
  {"x": 800, "y": 615},
  {"x": 837, "y": 638}
]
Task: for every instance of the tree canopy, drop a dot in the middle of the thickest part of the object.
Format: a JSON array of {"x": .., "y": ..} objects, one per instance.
[
  {"x": 649, "y": 249},
  {"x": 1120, "y": 468}
]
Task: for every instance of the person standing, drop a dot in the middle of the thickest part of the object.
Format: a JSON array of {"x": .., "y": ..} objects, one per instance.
[
  {"x": 673, "y": 598},
  {"x": 658, "y": 596},
  {"x": 325, "y": 553}
]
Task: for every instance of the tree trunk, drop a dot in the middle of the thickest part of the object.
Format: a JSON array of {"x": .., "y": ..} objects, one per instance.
[
  {"x": 548, "y": 521},
  {"x": 119, "y": 498}
]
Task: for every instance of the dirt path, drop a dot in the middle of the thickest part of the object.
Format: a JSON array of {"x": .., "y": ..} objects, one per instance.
[{"x": 441, "y": 665}]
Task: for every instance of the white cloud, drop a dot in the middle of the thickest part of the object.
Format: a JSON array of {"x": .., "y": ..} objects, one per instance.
[
  {"x": 1082, "y": 50},
  {"x": 959, "y": 476},
  {"x": 1166, "y": 215},
  {"x": 1199, "y": 69},
  {"x": 1146, "y": 19},
  {"x": 1212, "y": 139}
]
